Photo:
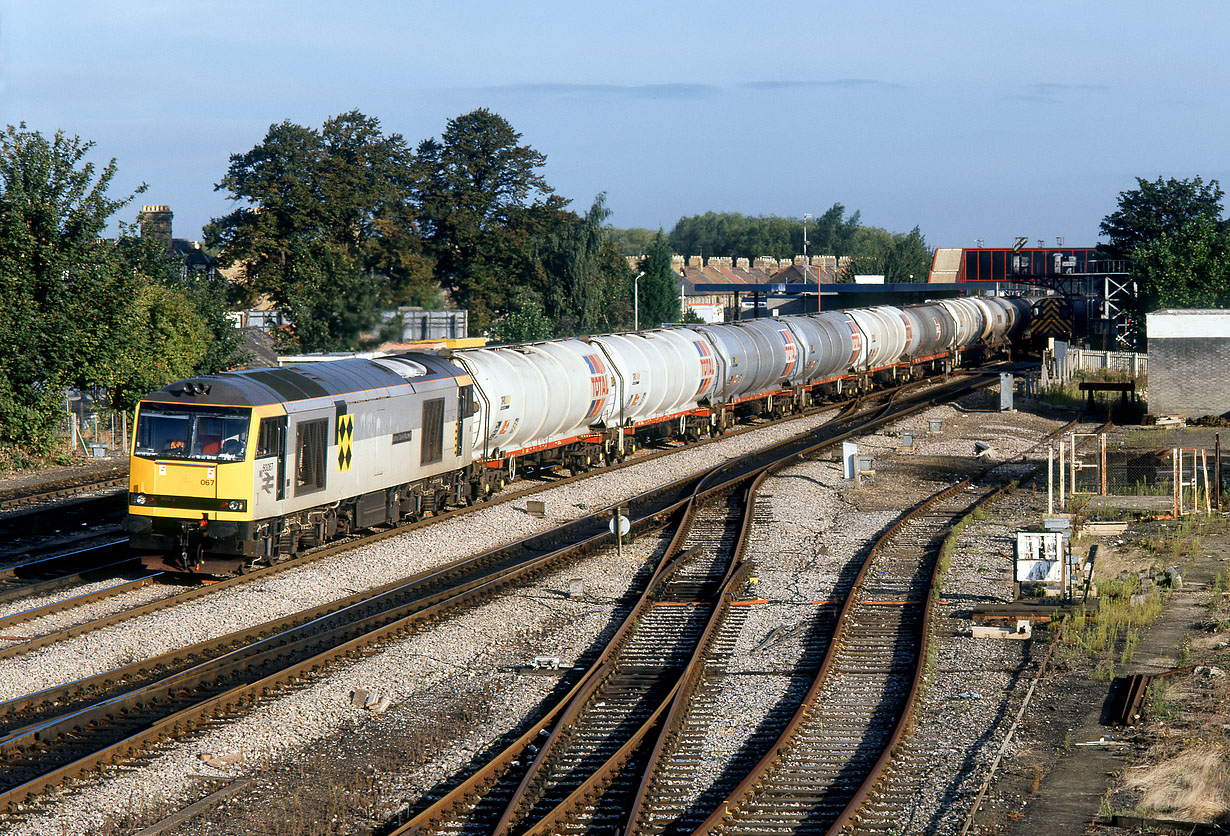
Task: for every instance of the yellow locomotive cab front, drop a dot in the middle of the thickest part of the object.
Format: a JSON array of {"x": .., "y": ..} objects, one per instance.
[{"x": 190, "y": 477}]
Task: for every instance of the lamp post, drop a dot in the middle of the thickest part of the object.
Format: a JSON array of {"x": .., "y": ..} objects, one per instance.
[
  {"x": 636, "y": 301},
  {"x": 806, "y": 218}
]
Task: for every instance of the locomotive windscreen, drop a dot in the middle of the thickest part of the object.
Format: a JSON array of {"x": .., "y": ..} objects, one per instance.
[{"x": 200, "y": 433}]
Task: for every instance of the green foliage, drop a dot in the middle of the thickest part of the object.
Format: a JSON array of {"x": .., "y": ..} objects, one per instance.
[
  {"x": 1163, "y": 702},
  {"x": 583, "y": 281},
  {"x": 206, "y": 299},
  {"x": 1112, "y": 629},
  {"x": 76, "y": 311},
  {"x": 326, "y": 229},
  {"x": 526, "y": 322},
  {"x": 1156, "y": 208},
  {"x": 743, "y": 236},
  {"x": 659, "y": 295},
  {"x": 482, "y": 207},
  {"x": 1173, "y": 234},
  {"x": 898, "y": 257},
  {"x": 61, "y": 292},
  {"x": 1187, "y": 267},
  {"x": 633, "y": 241}
]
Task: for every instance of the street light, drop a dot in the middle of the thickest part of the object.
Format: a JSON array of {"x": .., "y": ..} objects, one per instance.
[
  {"x": 636, "y": 301},
  {"x": 806, "y": 218}
]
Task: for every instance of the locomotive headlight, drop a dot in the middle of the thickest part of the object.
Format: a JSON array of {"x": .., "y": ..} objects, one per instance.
[
  {"x": 138, "y": 499},
  {"x": 236, "y": 505}
]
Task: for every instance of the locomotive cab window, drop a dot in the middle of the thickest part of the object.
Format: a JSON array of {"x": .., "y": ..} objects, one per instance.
[
  {"x": 432, "y": 449},
  {"x": 272, "y": 438},
  {"x": 215, "y": 434}
]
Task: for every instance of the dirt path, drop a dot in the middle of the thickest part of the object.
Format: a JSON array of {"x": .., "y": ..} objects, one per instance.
[{"x": 1062, "y": 732}]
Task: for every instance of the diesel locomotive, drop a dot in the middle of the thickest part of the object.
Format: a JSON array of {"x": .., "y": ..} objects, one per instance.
[{"x": 239, "y": 469}]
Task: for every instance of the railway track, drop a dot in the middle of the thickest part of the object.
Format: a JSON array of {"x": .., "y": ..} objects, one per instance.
[
  {"x": 815, "y": 770},
  {"x": 113, "y": 483},
  {"x": 42, "y": 744},
  {"x": 589, "y": 753},
  {"x": 61, "y": 571},
  {"x": 38, "y": 750},
  {"x": 845, "y": 762},
  {"x": 542, "y": 481}
]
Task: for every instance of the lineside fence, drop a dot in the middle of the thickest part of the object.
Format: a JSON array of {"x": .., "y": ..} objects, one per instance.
[
  {"x": 1090, "y": 470},
  {"x": 1066, "y": 362},
  {"x": 90, "y": 427}
]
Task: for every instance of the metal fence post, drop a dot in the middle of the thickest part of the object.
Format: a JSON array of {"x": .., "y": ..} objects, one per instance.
[
  {"x": 1102, "y": 467},
  {"x": 1176, "y": 470},
  {"x": 1063, "y": 479},
  {"x": 1050, "y": 479}
]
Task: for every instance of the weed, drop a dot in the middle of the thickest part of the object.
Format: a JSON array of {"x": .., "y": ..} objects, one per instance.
[
  {"x": 1162, "y": 704},
  {"x": 1105, "y": 810},
  {"x": 1182, "y": 651},
  {"x": 1130, "y": 638},
  {"x": 1216, "y": 589},
  {"x": 1039, "y": 772}
]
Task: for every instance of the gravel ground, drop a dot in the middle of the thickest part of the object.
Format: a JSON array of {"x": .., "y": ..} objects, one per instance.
[
  {"x": 811, "y": 524},
  {"x": 433, "y": 676},
  {"x": 79, "y": 615},
  {"x": 330, "y": 579},
  {"x": 363, "y": 568}
]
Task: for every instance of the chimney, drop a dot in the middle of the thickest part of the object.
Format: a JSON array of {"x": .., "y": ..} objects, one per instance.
[{"x": 156, "y": 223}]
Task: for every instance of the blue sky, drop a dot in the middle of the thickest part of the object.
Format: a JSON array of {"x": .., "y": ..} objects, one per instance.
[{"x": 971, "y": 120}]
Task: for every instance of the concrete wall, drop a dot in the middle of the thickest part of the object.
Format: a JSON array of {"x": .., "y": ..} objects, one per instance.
[{"x": 1189, "y": 363}]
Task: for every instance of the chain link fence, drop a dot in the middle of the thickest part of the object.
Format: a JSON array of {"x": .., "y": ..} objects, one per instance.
[
  {"x": 1129, "y": 474},
  {"x": 90, "y": 427}
]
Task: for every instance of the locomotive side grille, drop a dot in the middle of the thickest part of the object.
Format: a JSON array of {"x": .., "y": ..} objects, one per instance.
[
  {"x": 432, "y": 449},
  {"x": 310, "y": 469}
]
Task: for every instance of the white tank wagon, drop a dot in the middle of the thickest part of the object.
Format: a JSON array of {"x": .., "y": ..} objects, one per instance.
[
  {"x": 252, "y": 466},
  {"x": 997, "y": 318},
  {"x": 739, "y": 362},
  {"x": 884, "y": 331},
  {"x": 1022, "y": 312},
  {"x": 660, "y": 376},
  {"x": 540, "y": 396},
  {"x": 969, "y": 320},
  {"x": 831, "y": 344},
  {"x": 935, "y": 332}
]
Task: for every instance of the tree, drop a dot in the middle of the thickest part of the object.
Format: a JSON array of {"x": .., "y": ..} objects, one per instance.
[
  {"x": 1176, "y": 242},
  {"x": 1155, "y": 208},
  {"x": 63, "y": 300},
  {"x": 633, "y": 241},
  {"x": 659, "y": 296},
  {"x": 481, "y": 206},
  {"x": 1184, "y": 268},
  {"x": 327, "y": 230},
  {"x": 207, "y": 297},
  {"x": 584, "y": 280},
  {"x": 526, "y": 322},
  {"x": 741, "y": 236},
  {"x": 899, "y": 257}
]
